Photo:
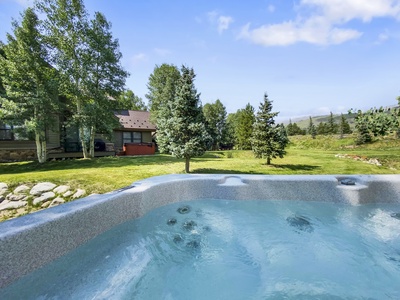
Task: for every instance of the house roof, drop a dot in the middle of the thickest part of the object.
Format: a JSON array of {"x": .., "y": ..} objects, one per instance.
[{"x": 135, "y": 120}]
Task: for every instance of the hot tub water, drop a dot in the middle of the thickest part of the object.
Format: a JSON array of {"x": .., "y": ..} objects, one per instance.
[{"x": 230, "y": 249}]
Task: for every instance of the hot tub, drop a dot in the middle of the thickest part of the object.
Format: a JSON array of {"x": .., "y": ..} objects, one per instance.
[{"x": 32, "y": 241}]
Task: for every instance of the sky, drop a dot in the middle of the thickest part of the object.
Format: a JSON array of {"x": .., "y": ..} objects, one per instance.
[{"x": 311, "y": 57}]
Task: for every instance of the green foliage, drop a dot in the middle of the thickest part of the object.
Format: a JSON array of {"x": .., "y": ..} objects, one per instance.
[
  {"x": 311, "y": 129},
  {"x": 128, "y": 100},
  {"x": 244, "y": 121},
  {"x": 29, "y": 82},
  {"x": 162, "y": 87},
  {"x": 344, "y": 126},
  {"x": 376, "y": 122},
  {"x": 183, "y": 133},
  {"x": 294, "y": 129},
  {"x": 268, "y": 141},
  {"x": 87, "y": 59},
  {"x": 215, "y": 117}
]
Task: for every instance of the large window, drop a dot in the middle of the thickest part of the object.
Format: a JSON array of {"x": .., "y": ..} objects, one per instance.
[
  {"x": 132, "y": 137},
  {"x": 6, "y": 132}
]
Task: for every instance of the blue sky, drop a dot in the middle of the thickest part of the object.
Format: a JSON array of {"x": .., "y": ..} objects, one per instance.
[{"x": 310, "y": 56}]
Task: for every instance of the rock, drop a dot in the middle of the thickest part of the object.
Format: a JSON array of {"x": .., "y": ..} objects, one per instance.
[
  {"x": 57, "y": 201},
  {"x": 2, "y": 199},
  {"x": 67, "y": 194},
  {"x": 61, "y": 189},
  {"x": 41, "y": 188},
  {"x": 3, "y": 191},
  {"x": 78, "y": 194},
  {"x": 12, "y": 204},
  {"x": 45, "y": 204},
  {"x": 3, "y": 186},
  {"x": 21, "y": 189},
  {"x": 13, "y": 197},
  {"x": 43, "y": 198}
]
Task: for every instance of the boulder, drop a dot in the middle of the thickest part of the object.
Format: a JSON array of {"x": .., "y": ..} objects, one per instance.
[
  {"x": 67, "y": 194},
  {"x": 78, "y": 194},
  {"x": 43, "y": 198},
  {"x": 21, "y": 189},
  {"x": 12, "y": 204},
  {"x": 41, "y": 188},
  {"x": 62, "y": 189},
  {"x": 57, "y": 201},
  {"x": 16, "y": 197},
  {"x": 3, "y": 186}
]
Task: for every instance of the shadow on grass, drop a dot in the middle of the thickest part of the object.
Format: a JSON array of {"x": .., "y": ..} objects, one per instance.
[
  {"x": 292, "y": 167},
  {"x": 219, "y": 171},
  {"x": 288, "y": 167},
  {"x": 98, "y": 163}
]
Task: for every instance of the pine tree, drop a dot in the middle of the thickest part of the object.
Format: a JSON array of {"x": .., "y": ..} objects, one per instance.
[
  {"x": 332, "y": 126},
  {"x": 244, "y": 127},
  {"x": 312, "y": 130},
  {"x": 183, "y": 134},
  {"x": 344, "y": 126},
  {"x": 268, "y": 141}
]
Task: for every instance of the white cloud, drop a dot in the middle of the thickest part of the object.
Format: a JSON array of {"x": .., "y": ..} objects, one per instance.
[
  {"x": 324, "y": 23},
  {"x": 223, "y": 23}
]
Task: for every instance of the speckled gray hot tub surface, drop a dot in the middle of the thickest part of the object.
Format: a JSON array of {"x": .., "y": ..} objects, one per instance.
[{"x": 29, "y": 242}]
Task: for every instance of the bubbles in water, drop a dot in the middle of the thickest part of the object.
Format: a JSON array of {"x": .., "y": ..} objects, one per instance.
[
  {"x": 171, "y": 221},
  {"x": 178, "y": 239},
  {"x": 300, "y": 222},
  {"x": 189, "y": 225},
  {"x": 184, "y": 209}
]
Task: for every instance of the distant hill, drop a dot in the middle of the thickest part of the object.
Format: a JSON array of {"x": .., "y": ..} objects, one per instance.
[{"x": 304, "y": 121}]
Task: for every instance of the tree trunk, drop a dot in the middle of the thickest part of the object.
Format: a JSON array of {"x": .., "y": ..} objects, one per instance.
[
  {"x": 41, "y": 148},
  {"x": 91, "y": 142},
  {"x": 187, "y": 162},
  {"x": 268, "y": 160},
  {"x": 83, "y": 142}
]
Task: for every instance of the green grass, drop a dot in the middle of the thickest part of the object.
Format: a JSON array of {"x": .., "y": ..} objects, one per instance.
[{"x": 304, "y": 156}]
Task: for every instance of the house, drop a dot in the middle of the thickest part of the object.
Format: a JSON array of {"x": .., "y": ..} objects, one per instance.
[{"x": 133, "y": 137}]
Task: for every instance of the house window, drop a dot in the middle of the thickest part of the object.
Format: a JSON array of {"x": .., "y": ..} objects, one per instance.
[
  {"x": 5, "y": 132},
  {"x": 14, "y": 133},
  {"x": 132, "y": 137}
]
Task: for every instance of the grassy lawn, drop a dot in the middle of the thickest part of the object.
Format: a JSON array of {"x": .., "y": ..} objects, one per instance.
[{"x": 106, "y": 174}]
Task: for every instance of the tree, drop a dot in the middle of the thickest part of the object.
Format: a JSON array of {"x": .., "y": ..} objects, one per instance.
[
  {"x": 30, "y": 83},
  {"x": 128, "y": 100},
  {"x": 87, "y": 59},
  {"x": 183, "y": 134},
  {"x": 162, "y": 87},
  {"x": 215, "y": 116},
  {"x": 311, "y": 130},
  {"x": 344, "y": 126},
  {"x": 106, "y": 78},
  {"x": 322, "y": 128},
  {"x": 244, "y": 127},
  {"x": 268, "y": 141},
  {"x": 331, "y": 125}
]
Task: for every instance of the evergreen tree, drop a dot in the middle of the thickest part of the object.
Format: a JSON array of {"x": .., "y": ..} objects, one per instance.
[
  {"x": 268, "y": 141},
  {"x": 331, "y": 125},
  {"x": 183, "y": 134},
  {"x": 344, "y": 126},
  {"x": 30, "y": 83},
  {"x": 322, "y": 128},
  {"x": 311, "y": 130},
  {"x": 215, "y": 116},
  {"x": 244, "y": 127}
]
